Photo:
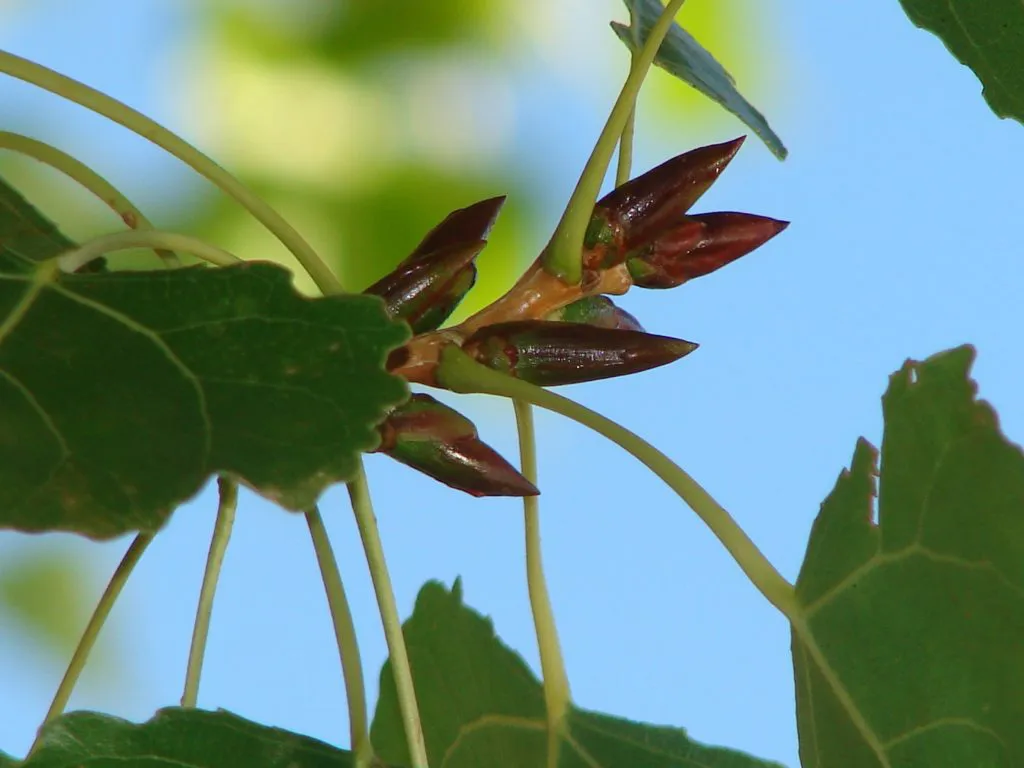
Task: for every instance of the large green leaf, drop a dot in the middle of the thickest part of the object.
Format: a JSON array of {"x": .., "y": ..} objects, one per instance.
[
  {"x": 178, "y": 738},
  {"x": 6, "y": 761},
  {"x": 682, "y": 56},
  {"x": 121, "y": 393},
  {"x": 481, "y": 706},
  {"x": 988, "y": 37},
  {"x": 910, "y": 647}
]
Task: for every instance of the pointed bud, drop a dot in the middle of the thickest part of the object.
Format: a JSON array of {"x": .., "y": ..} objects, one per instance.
[
  {"x": 440, "y": 442},
  {"x": 698, "y": 246},
  {"x": 465, "y": 225},
  {"x": 552, "y": 353},
  {"x": 655, "y": 200},
  {"x": 598, "y": 311},
  {"x": 426, "y": 291}
]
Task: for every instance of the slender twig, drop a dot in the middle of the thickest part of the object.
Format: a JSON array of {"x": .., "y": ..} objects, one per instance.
[
  {"x": 345, "y": 635},
  {"x": 147, "y": 238},
  {"x": 92, "y": 629},
  {"x": 78, "y": 171},
  {"x": 460, "y": 373},
  {"x": 562, "y": 255},
  {"x": 135, "y": 121},
  {"x": 228, "y": 490},
  {"x": 362, "y": 506},
  {"x": 556, "y": 682}
]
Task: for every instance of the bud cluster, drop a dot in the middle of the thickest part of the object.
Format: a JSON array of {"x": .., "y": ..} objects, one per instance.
[{"x": 544, "y": 331}]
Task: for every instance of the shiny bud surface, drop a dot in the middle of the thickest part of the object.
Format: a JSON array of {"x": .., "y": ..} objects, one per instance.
[
  {"x": 552, "y": 353},
  {"x": 440, "y": 442}
]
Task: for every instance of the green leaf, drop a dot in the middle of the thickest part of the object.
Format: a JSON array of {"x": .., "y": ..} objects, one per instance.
[
  {"x": 682, "y": 56},
  {"x": 6, "y": 761},
  {"x": 481, "y": 706},
  {"x": 178, "y": 738},
  {"x": 121, "y": 393},
  {"x": 26, "y": 236},
  {"x": 907, "y": 651},
  {"x": 986, "y": 36}
]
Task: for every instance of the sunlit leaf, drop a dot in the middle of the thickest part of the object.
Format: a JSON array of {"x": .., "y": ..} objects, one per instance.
[
  {"x": 908, "y": 651},
  {"x": 986, "y": 36},
  {"x": 120, "y": 394},
  {"x": 482, "y": 706},
  {"x": 178, "y": 738},
  {"x": 682, "y": 56}
]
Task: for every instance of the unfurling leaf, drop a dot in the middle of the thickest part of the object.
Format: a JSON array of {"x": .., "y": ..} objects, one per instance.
[
  {"x": 552, "y": 353},
  {"x": 682, "y": 56},
  {"x": 440, "y": 442}
]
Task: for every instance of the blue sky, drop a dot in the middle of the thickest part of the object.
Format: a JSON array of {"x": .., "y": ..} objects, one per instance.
[{"x": 903, "y": 190}]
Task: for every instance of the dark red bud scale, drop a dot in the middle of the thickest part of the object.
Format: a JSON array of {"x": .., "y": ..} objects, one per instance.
[
  {"x": 699, "y": 245},
  {"x": 440, "y": 442},
  {"x": 553, "y": 353},
  {"x": 426, "y": 291},
  {"x": 656, "y": 199},
  {"x": 465, "y": 225}
]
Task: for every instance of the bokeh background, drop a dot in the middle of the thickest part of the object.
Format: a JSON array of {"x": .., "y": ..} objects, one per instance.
[{"x": 365, "y": 123}]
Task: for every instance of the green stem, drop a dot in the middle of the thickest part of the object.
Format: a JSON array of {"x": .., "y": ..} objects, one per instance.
[
  {"x": 362, "y": 506},
  {"x": 556, "y": 681},
  {"x": 92, "y": 629},
  {"x": 135, "y": 121},
  {"x": 562, "y": 255},
  {"x": 147, "y": 238},
  {"x": 345, "y": 635},
  {"x": 214, "y": 560},
  {"x": 460, "y": 373},
  {"x": 78, "y": 171},
  {"x": 624, "y": 167}
]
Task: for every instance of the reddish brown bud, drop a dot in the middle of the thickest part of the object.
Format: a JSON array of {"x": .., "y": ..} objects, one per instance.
[
  {"x": 465, "y": 225},
  {"x": 699, "y": 245},
  {"x": 440, "y": 442},
  {"x": 655, "y": 200},
  {"x": 424, "y": 292},
  {"x": 598, "y": 311},
  {"x": 552, "y": 353}
]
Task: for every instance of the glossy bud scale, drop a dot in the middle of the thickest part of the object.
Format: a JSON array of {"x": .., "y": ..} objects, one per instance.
[
  {"x": 552, "y": 353},
  {"x": 440, "y": 442},
  {"x": 698, "y": 245}
]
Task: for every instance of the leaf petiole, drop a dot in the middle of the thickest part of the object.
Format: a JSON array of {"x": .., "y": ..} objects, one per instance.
[
  {"x": 345, "y": 635},
  {"x": 460, "y": 373},
  {"x": 92, "y": 629},
  {"x": 562, "y": 255},
  {"x": 78, "y": 171},
  {"x": 228, "y": 491},
  {"x": 148, "y": 238},
  {"x": 362, "y": 507},
  {"x": 557, "y": 696},
  {"x": 135, "y": 121}
]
